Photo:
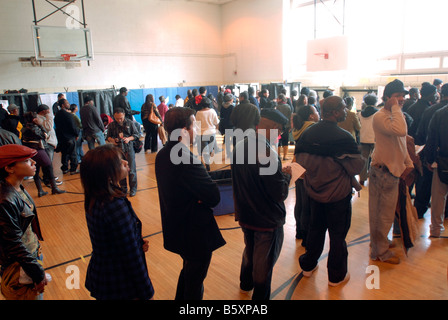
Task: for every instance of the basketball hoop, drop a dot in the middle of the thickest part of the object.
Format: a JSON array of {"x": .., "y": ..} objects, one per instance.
[
  {"x": 67, "y": 56},
  {"x": 322, "y": 55}
]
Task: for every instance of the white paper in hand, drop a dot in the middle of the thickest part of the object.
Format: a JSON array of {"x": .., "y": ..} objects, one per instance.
[{"x": 297, "y": 171}]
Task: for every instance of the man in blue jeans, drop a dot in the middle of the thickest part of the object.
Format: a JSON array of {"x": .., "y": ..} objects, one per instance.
[
  {"x": 92, "y": 125},
  {"x": 260, "y": 187},
  {"x": 123, "y": 133}
]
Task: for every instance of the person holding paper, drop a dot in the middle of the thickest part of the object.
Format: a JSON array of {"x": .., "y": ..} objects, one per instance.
[{"x": 331, "y": 158}]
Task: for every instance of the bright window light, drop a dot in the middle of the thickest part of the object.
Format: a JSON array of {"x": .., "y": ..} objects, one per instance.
[{"x": 376, "y": 29}]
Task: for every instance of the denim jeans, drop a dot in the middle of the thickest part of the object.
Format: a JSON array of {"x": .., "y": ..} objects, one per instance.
[
  {"x": 79, "y": 150},
  {"x": 206, "y": 145},
  {"x": 439, "y": 192},
  {"x": 259, "y": 257},
  {"x": 383, "y": 197},
  {"x": 132, "y": 176},
  {"x": 97, "y": 136}
]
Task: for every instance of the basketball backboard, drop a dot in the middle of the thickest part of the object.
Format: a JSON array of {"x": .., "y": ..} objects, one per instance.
[
  {"x": 328, "y": 54},
  {"x": 53, "y": 43}
]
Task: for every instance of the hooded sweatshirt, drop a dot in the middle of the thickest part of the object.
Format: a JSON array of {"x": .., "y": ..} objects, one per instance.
[{"x": 366, "y": 134}]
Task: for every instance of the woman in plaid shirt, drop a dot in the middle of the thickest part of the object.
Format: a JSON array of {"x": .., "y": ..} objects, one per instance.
[{"x": 117, "y": 269}]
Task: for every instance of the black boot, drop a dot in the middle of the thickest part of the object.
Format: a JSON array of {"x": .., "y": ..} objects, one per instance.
[
  {"x": 40, "y": 191},
  {"x": 54, "y": 188},
  {"x": 48, "y": 171}
]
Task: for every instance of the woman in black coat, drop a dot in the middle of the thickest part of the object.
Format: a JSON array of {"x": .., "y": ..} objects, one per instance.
[
  {"x": 34, "y": 136},
  {"x": 22, "y": 275}
]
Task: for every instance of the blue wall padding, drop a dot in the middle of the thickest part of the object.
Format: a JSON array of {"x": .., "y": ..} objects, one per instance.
[{"x": 137, "y": 97}]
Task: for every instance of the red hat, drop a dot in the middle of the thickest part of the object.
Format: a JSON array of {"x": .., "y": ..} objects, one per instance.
[{"x": 11, "y": 153}]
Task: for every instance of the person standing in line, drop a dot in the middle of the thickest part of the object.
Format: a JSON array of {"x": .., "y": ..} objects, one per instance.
[
  {"x": 331, "y": 158},
  {"x": 366, "y": 134},
  {"x": 12, "y": 121},
  {"x": 56, "y": 106},
  {"x": 187, "y": 195},
  {"x": 225, "y": 122},
  {"x": 121, "y": 101},
  {"x": 179, "y": 101},
  {"x": 122, "y": 134},
  {"x": 424, "y": 180},
  {"x": 162, "y": 107},
  {"x": 260, "y": 187},
  {"x": 252, "y": 99},
  {"x": 92, "y": 125},
  {"x": 245, "y": 116},
  {"x": 117, "y": 269},
  {"x": 209, "y": 121},
  {"x": 79, "y": 140},
  {"x": 436, "y": 150},
  {"x": 46, "y": 119},
  {"x": 286, "y": 110},
  {"x": 34, "y": 136},
  {"x": 20, "y": 250},
  {"x": 150, "y": 128},
  {"x": 67, "y": 133},
  {"x": 300, "y": 121},
  {"x": 351, "y": 122},
  {"x": 265, "y": 103},
  {"x": 414, "y": 96},
  {"x": 390, "y": 162}
]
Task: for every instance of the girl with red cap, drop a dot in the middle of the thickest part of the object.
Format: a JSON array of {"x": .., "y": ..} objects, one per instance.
[{"x": 22, "y": 275}]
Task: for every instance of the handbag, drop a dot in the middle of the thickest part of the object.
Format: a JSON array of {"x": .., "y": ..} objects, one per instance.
[
  {"x": 162, "y": 134},
  {"x": 153, "y": 118}
]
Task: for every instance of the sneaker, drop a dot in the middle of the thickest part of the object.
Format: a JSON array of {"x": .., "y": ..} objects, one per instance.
[
  {"x": 391, "y": 260},
  {"x": 335, "y": 284},
  {"x": 58, "y": 183},
  {"x": 308, "y": 274}
]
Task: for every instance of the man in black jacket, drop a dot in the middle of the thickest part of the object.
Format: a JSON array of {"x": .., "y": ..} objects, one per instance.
[
  {"x": 123, "y": 134},
  {"x": 67, "y": 132},
  {"x": 332, "y": 159},
  {"x": 260, "y": 187},
  {"x": 265, "y": 103},
  {"x": 92, "y": 125},
  {"x": 187, "y": 195},
  {"x": 121, "y": 102},
  {"x": 436, "y": 150}
]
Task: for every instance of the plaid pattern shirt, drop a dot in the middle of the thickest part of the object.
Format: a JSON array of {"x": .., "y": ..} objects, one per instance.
[{"x": 117, "y": 269}]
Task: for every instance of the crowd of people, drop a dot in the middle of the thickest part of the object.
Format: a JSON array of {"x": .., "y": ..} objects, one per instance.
[{"x": 333, "y": 142}]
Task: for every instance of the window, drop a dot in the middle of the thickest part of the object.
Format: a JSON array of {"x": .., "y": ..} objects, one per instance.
[{"x": 381, "y": 32}]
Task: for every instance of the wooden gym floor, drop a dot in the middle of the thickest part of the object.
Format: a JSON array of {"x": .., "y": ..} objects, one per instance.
[{"x": 422, "y": 274}]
